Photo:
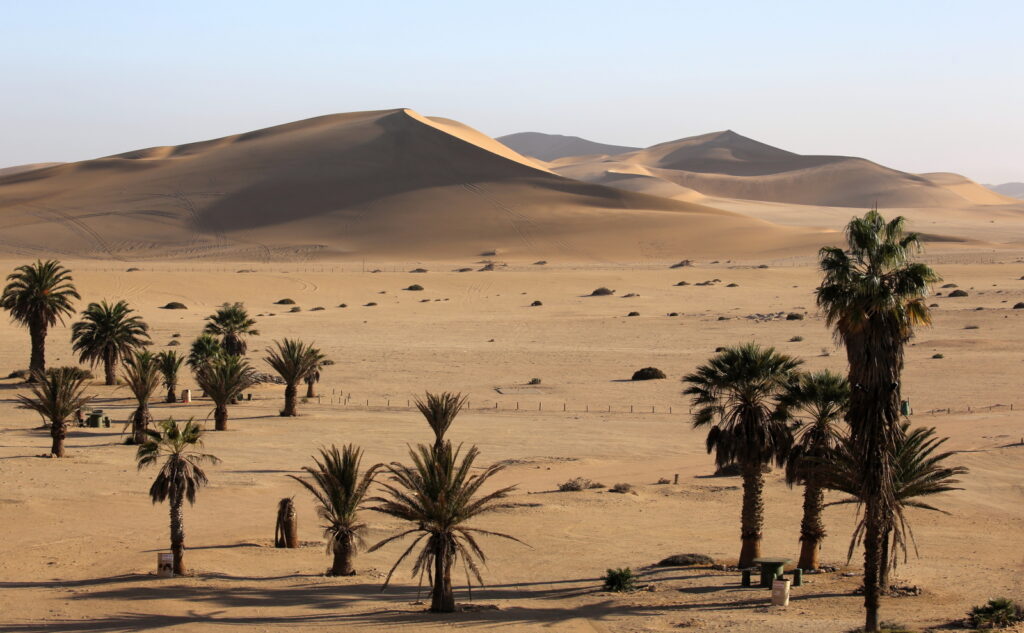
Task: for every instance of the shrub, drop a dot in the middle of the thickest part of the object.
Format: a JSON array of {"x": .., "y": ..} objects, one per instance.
[
  {"x": 958, "y": 293},
  {"x": 316, "y": 309},
  {"x": 673, "y": 314},
  {"x": 619, "y": 580},
  {"x": 285, "y": 302},
  {"x": 634, "y": 313},
  {"x": 950, "y": 286},
  {"x": 998, "y": 613},
  {"x": 295, "y": 309},
  {"x": 540, "y": 262},
  {"x": 794, "y": 316},
  {"x": 685, "y": 560},
  {"x": 663, "y": 481},
  {"x": 683, "y": 283},
  {"x": 76, "y": 372},
  {"x": 534, "y": 381},
  {"x": 648, "y": 373},
  {"x": 577, "y": 484},
  {"x": 463, "y": 270},
  {"x": 621, "y": 488},
  {"x": 796, "y": 339},
  {"x": 176, "y": 335},
  {"x": 133, "y": 270},
  {"x": 491, "y": 253},
  {"x": 536, "y": 304},
  {"x": 342, "y": 305},
  {"x": 732, "y": 285},
  {"x": 602, "y": 292},
  {"x": 630, "y": 295},
  {"x": 370, "y": 304},
  {"x": 415, "y": 287},
  {"x": 971, "y": 327},
  {"x": 175, "y": 305},
  {"x": 418, "y": 270},
  {"x": 173, "y": 343},
  {"x": 682, "y": 264},
  {"x": 1018, "y": 306},
  {"x": 489, "y": 266},
  {"x": 937, "y": 356}
]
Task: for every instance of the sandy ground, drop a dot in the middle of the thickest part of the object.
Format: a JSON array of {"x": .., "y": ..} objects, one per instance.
[{"x": 80, "y": 534}]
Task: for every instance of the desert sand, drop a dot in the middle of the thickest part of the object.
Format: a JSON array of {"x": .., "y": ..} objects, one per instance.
[{"x": 80, "y": 534}]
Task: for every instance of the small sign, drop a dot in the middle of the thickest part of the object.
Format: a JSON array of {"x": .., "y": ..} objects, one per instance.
[{"x": 165, "y": 564}]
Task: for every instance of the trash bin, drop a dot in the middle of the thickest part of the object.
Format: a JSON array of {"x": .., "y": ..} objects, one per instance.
[
  {"x": 186, "y": 395},
  {"x": 165, "y": 564},
  {"x": 780, "y": 592}
]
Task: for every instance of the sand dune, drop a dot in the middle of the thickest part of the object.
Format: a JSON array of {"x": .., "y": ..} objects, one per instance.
[
  {"x": 549, "y": 147},
  {"x": 1012, "y": 189},
  {"x": 729, "y": 165},
  {"x": 387, "y": 183},
  {"x": 18, "y": 169}
]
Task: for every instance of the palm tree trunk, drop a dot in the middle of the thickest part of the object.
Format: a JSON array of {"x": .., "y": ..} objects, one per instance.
[
  {"x": 37, "y": 360},
  {"x": 442, "y": 598},
  {"x": 811, "y": 529},
  {"x": 110, "y": 369},
  {"x": 178, "y": 533},
  {"x": 58, "y": 430},
  {"x": 872, "y": 565},
  {"x": 343, "y": 558},
  {"x": 220, "y": 417},
  {"x": 290, "y": 393},
  {"x": 310, "y": 391},
  {"x": 140, "y": 422},
  {"x": 172, "y": 395},
  {"x": 752, "y": 517},
  {"x": 885, "y": 564}
]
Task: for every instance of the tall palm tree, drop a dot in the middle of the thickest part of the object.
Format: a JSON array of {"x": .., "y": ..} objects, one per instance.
[
  {"x": 919, "y": 471},
  {"x": 735, "y": 395},
  {"x": 232, "y": 323},
  {"x": 293, "y": 360},
  {"x": 339, "y": 490},
  {"x": 142, "y": 376},
  {"x": 56, "y": 395},
  {"x": 108, "y": 333},
  {"x": 439, "y": 495},
  {"x": 204, "y": 349},
  {"x": 37, "y": 296},
  {"x": 440, "y": 411},
  {"x": 224, "y": 379},
  {"x": 170, "y": 363},
  {"x": 180, "y": 476},
  {"x": 873, "y": 295},
  {"x": 817, "y": 404}
]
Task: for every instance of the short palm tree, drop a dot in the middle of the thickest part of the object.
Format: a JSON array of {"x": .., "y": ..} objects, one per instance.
[
  {"x": 293, "y": 360},
  {"x": 312, "y": 379},
  {"x": 204, "y": 349},
  {"x": 232, "y": 323},
  {"x": 439, "y": 495},
  {"x": 919, "y": 472},
  {"x": 286, "y": 529},
  {"x": 440, "y": 411},
  {"x": 170, "y": 364},
  {"x": 142, "y": 377},
  {"x": 180, "y": 476},
  {"x": 56, "y": 395},
  {"x": 816, "y": 403},
  {"x": 224, "y": 379},
  {"x": 339, "y": 489},
  {"x": 108, "y": 333},
  {"x": 873, "y": 295},
  {"x": 735, "y": 395},
  {"x": 37, "y": 296}
]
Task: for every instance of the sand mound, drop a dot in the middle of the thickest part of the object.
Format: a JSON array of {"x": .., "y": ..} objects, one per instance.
[{"x": 386, "y": 183}]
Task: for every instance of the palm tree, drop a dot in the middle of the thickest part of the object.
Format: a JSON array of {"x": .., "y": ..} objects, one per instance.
[
  {"x": 873, "y": 295},
  {"x": 37, "y": 296},
  {"x": 286, "y": 530},
  {"x": 919, "y": 472},
  {"x": 204, "y": 349},
  {"x": 440, "y": 411},
  {"x": 170, "y": 363},
  {"x": 735, "y": 395},
  {"x": 314, "y": 377},
  {"x": 231, "y": 322},
  {"x": 822, "y": 399},
  {"x": 142, "y": 375},
  {"x": 339, "y": 490},
  {"x": 56, "y": 395},
  {"x": 293, "y": 360},
  {"x": 439, "y": 495},
  {"x": 181, "y": 474},
  {"x": 224, "y": 379},
  {"x": 108, "y": 333}
]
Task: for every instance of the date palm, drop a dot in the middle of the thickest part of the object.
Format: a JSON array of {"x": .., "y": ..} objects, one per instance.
[
  {"x": 339, "y": 489},
  {"x": 293, "y": 360},
  {"x": 286, "y": 529},
  {"x": 735, "y": 395},
  {"x": 224, "y": 379},
  {"x": 873, "y": 295},
  {"x": 919, "y": 472},
  {"x": 176, "y": 449},
  {"x": 170, "y": 363},
  {"x": 142, "y": 377},
  {"x": 204, "y": 349},
  {"x": 38, "y": 296},
  {"x": 440, "y": 494},
  {"x": 107, "y": 334},
  {"x": 440, "y": 411},
  {"x": 232, "y": 323},
  {"x": 56, "y": 395},
  {"x": 817, "y": 404}
]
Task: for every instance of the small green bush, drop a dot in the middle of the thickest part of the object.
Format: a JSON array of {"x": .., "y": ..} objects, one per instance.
[
  {"x": 534, "y": 381},
  {"x": 998, "y": 613},
  {"x": 602, "y": 292},
  {"x": 937, "y": 356},
  {"x": 796, "y": 339},
  {"x": 619, "y": 580}
]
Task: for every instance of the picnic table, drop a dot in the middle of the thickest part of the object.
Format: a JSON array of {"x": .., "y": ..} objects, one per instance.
[{"x": 771, "y": 568}]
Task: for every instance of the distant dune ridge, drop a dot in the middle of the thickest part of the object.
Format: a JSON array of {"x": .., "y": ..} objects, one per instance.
[
  {"x": 387, "y": 183},
  {"x": 1012, "y": 189},
  {"x": 554, "y": 146}
]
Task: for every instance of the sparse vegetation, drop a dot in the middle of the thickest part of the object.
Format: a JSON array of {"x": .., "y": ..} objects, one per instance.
[
  {"x": 619, "y": 580},
  {"x": 285, "y": 302},
  {"x": 418, "y": 270},
  {"x": 648, "y": 373},
  {"x": 997, "y": 613},
  {"x": 937, "y": 356},
  {"x": 576, "y": 484},
  {"x": 633, "y": 314},
  {"x": 958, "y": 293},
  {"x": 602, "y": 292},
  {"x": 415, "y": 287},
  {"x": 794, "y": 316},
  {"x": 174, "y": 305},
  {"x": 621, "y": 488},
  {"x": 796, "y": 339},
  {"x": 685, "y": 560},
  {"x": 536, "y": 304},
  {"x": 534, "y": 381}
]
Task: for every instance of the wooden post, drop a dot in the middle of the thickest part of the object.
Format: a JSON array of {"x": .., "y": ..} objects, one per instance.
[{"x": 675, "y": 480}]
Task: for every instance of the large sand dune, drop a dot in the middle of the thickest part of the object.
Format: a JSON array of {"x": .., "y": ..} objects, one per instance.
[
  {"x": 388, "y": 183},
  {"x": 554, "y": 146}
]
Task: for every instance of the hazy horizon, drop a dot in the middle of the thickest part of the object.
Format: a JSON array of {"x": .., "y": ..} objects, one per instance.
[{"x": 919, "y": 87}]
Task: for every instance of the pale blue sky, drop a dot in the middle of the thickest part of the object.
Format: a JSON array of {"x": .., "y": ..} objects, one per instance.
[{"x": 918, "y": 86}]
